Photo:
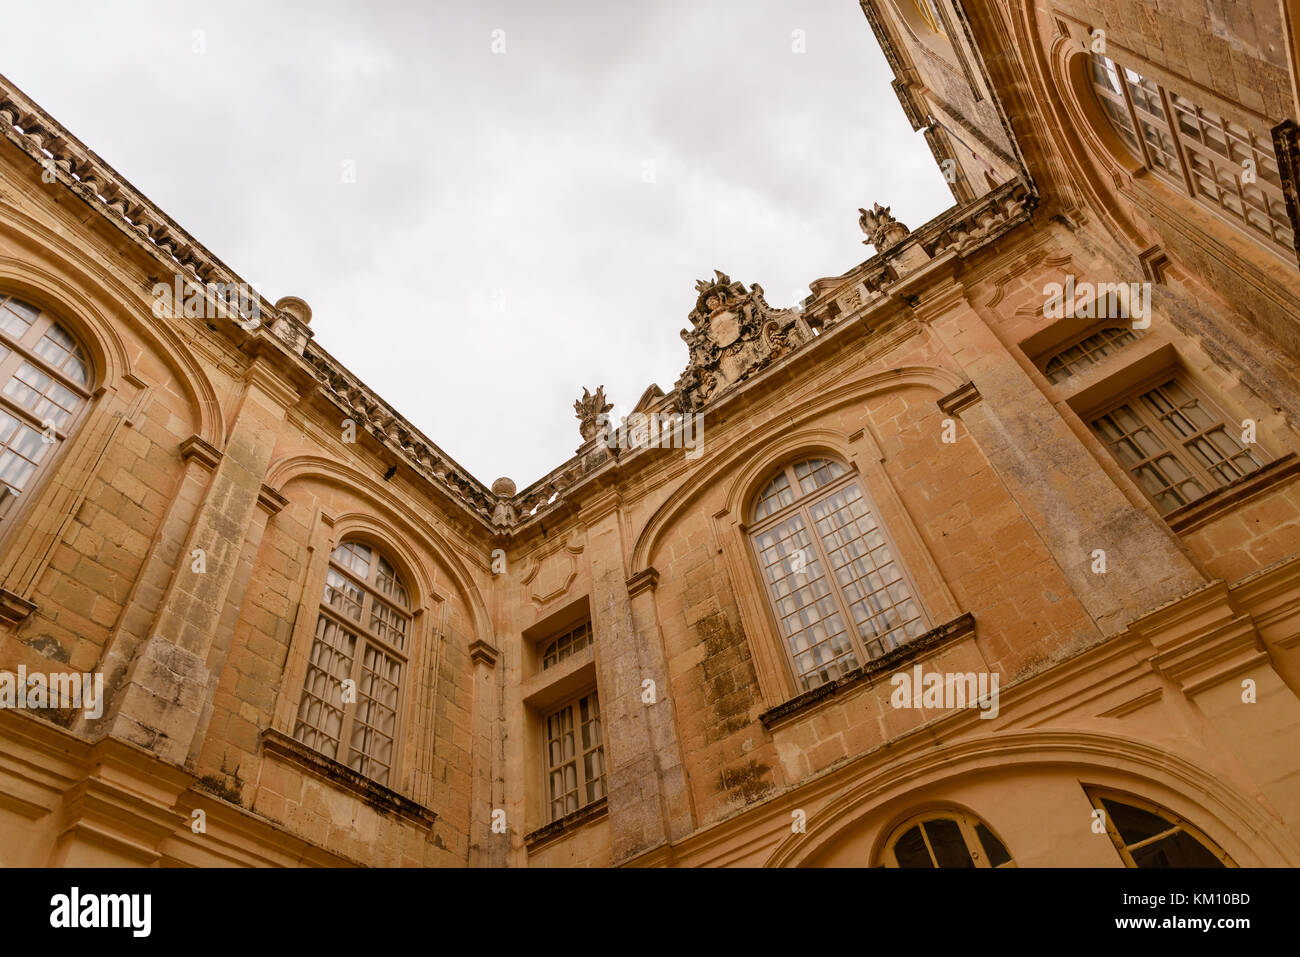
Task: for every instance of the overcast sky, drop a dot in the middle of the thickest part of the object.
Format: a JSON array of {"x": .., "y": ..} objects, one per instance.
[{"x": 501, "y": 247}]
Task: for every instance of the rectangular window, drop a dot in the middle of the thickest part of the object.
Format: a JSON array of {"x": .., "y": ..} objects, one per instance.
[
  {"x": 1174, "y": 445},
  {"x": 575, "y": 755}
]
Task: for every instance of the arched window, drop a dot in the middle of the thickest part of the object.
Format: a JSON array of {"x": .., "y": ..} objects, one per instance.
[
  {"x": 44, "y": 388},
  {"x": 1147, "y": 835},
  {"x": 350, "y": 700},
  {"x": 840, "y": 594},
  {"x": 1086, "y": 352},
  {"x": 1224, "y": 165},
  {"x": 945, "y": 839}
]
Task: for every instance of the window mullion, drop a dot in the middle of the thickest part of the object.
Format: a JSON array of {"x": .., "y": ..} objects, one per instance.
[
  {"x": 579, "y": 751},
  {"x": 36, "y": 331},
  {"x": 934, "y": 858},
  {"x": 1172, "y": 124},
  {"x": 850, "y": 627},
  {"x": 1195, "y": 462},
  {"x": 1173, "y": 445},
  {"x": 1170, "y": 832},
  {"x": 350, "y": 710},
  {"x": 973, "y": 846},
  {"x": 1178, "y": 447},
  {"x": 1133, "y": 118}
]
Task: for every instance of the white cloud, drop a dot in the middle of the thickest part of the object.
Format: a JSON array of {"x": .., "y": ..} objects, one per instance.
[{"x": 479, "y": 172}]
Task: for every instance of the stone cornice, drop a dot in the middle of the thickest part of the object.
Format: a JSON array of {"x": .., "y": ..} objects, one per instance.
[
  {"x": 271, "y": 500},
  {"x": 152, "y": 231},
  {"x": 107, "y": 192},
  {"x": 286, "y": 341},
  {"x": 859, "y": 297},
  {"x": 200, "y": 450},
  {"x": 14, "y": 608},
  {"x": 391, "y": 430},
  {"x": 962, "y": 397},
  {"x": 646, "y": 578},
  {"x": 480, "y": 652},
  {"x": 372, "y": 792}
]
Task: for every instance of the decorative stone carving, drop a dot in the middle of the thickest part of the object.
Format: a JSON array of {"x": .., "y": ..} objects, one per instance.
[
  {"x": 883, "y": 230},
  {"x": 504, "y": 513},
  {"x": 734, "y": 334},
  {"x": 589, "y": 409},
  {"x": 374, "y": 416}
]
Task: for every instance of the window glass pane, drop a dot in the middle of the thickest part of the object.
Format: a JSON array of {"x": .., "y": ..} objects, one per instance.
[
  {"x": 570, "y": 643},
  {"x": 1134, "y": 824},
  {"x": 1177, "y": 850},
  {"x": 22, "y": 449},
  {"x": 62, "y": 352},
  {"x": 815, "y": 473},
  {"x": 374, "y": 725},
  {"x": 949, "y": 846},
  {"x": 994, "y": 850},
  {"x": 342, "y": 594},
  {"x": 320, "y": 712},
  {"x": 910, "y": 850},
  {"x": 775, "y": 497},
  {"x": 390, "y": 583},
  {"x": 1086, "y": 352},
  {"x": 355, "y": 557},
  {"x": 45, "y": 398},
  {"x": 389, "y": 624},
  {"x": 871, "y": 581},
  {"x": 16, "y": 317}
]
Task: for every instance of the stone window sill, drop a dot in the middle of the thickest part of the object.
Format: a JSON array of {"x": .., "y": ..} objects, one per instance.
[
  {"x": 1187, "y": 517},
  {"x": 378, "y": 796},
  {"x": 567, "y": 824},
  {"x": 800, "y": 704}
]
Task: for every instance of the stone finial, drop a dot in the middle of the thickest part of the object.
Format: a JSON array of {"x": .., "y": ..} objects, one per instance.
[
  {"x": 504, "y": 513},
  {"x": 295, "y": 307},
  {"x": 589, "y": 409},
  {"x": 883, "y": 230}
]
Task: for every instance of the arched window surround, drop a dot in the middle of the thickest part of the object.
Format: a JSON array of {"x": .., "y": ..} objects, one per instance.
[
  {"x": 1195, "y": 147},
  {"x": 1125, "y": 165},
  {"x": 742, "y": 476},
  {"x": 363, "y": 637},
  {"x": 427, "y": 607},
  {"x": 756, "y": 526},
  {"x": 1104, "y": 799}
]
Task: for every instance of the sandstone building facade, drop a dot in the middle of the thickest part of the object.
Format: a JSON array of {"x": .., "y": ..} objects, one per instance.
[{"x": 1047, "y": 441}]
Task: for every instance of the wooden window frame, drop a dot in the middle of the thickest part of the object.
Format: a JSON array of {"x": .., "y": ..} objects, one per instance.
[
  {"x": 1176, "y": 823},
  {"x": 21, "y": 350},
  {"x": 802, "y": 504},
  {"x": 367, "y": 637},
  {"x": 587, "y": 637},
  {"x": 573, "y": 702},
  {"x": 966, "y": 824},
  {"x": 1113, "y": 341},
  {"x": 1185, "y": 145},
  {"x": 1175, "y": 445}
]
